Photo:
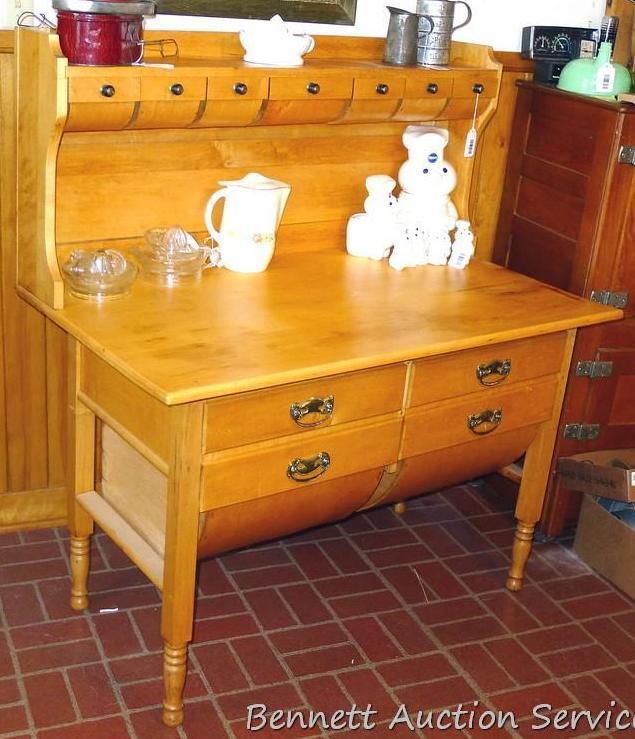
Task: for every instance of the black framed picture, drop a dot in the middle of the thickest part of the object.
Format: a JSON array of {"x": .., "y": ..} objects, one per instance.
[{"x": 306, "y": 11}]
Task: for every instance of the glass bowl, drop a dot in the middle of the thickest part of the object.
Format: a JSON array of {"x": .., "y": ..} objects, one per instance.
[{"x": 98, "y": 275}]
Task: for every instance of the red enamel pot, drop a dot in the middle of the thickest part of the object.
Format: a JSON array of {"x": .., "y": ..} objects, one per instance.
[{"x": 101, "y": 33}]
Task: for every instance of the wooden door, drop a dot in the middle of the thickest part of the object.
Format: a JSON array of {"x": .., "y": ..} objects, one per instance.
[
  {"x": 557, "y": 171},
  {"x": 607, "y": 401}
]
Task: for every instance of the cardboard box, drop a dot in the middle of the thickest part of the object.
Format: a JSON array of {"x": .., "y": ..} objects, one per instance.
[
  {"x": 593, "y": 473},
  {"x": 606, "y": 544}
]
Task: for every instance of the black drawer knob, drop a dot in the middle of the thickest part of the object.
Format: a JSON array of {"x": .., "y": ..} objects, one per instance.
[
  {"x": 177, "y": 89},
  {"x": 240, "y": 88},
  {"x": 313, "y": 88},
  {"x": 382, "y": 89},
  {"x": 433, "y": 88},
  {"x": 107, "y": 91},
  {"x": 478, "y": 88}
]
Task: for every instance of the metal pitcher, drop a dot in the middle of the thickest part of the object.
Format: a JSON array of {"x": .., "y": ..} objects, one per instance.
[
  {"x": 433, "y": 47},
  {"x": 404, "y": 28}
]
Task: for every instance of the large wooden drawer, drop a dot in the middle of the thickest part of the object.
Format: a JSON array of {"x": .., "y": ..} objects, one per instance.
[
  {"x": 267, "y": 518},
  {"x": 266, "y": 414},
  {"x": 446, "y": 424},
  {"x": 260, "y": 470},
  {"x": 501, "y": 365}
]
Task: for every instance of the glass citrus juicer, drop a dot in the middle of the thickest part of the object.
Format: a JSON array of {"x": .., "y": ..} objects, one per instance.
[
  {"x": 172, "y": 253},
  {"x": 98, "y": 275}
]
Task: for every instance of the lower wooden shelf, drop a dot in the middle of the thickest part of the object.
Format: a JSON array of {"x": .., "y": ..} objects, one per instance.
[{"x": 124, "y": 536}]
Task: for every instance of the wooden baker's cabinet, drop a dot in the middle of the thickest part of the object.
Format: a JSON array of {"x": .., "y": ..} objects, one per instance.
[
  {"x": 568, "y": 219},
  {"x": 240, "y": 407}
]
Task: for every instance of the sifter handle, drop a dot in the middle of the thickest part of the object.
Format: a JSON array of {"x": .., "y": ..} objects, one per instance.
[{"x": 469, "y": 14}]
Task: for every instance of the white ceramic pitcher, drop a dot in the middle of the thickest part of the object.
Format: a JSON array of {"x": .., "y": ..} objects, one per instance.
[{"x": 251, "y": 216}]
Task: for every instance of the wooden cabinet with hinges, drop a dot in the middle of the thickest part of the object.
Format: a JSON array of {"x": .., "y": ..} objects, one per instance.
[{"x": 568, "y": 219}]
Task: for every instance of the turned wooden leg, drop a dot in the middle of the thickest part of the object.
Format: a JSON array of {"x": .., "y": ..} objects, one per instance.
[
  {"x": 520, "y": 554},
  {"x": 80, "y": 474},
  {"x": 181, "y": 537},
  {"x": 80, "y": 564},
  {"x": 174, "y": 671},
  {"x": 400, "y": 508}
]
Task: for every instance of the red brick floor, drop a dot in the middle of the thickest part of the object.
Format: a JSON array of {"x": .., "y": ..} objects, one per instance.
[{"x": 378, "y": 609}]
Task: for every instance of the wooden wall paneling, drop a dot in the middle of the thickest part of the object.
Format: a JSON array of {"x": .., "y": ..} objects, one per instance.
[
  {"x": 191, "y": 165},
  {"x": 625, "y": 10},
  {"x": 23, "y": 330},
  {"x": 32, "y": 509},
  {"x": 32, "y": 397},
  {"x": 7, "y": 216}
]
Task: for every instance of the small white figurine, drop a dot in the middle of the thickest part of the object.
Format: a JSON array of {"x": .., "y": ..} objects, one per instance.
[
  {"x": 463, "y": 246},
  {"x": 420, "y": 247},
  {"x": 439, "y": 246},
  {"x": 404, "y": 251},
  {"x": 372, "y": 234},
  {"x": 380, "y": 202}
]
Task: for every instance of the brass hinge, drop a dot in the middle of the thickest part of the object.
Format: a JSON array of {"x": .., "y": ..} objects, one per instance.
[
  {"x": 582, "y": 431},
  {"x": 627, "y": 155},
  {"x": 594, "y": 370},
  {"x": 606, "y": 297}
]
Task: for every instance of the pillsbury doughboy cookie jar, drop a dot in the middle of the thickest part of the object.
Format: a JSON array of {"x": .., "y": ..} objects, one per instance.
[{"x": 427, "y": 179}]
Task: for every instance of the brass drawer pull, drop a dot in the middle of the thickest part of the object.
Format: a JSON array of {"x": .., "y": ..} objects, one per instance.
[
  {"x": 497, "y": 367},
  {"x": 493, "y": 419},
  {"x": 309, "y": 468},
  {"x": 322, "y": 406}
]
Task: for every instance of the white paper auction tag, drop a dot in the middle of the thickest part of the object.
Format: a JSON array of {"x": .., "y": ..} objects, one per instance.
[
  {"x": 470, "y": 143},
  {"x": 605, "y": 78},
  {"x": 470, "y": 138}
]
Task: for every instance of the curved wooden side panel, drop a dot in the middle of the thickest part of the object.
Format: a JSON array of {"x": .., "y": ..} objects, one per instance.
[
  {"x": 42, "y": 109},
  {"x": 459, "y": 127},
  {"x": 278, "y": 515},
  {"x": 99, "y": 117}
]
